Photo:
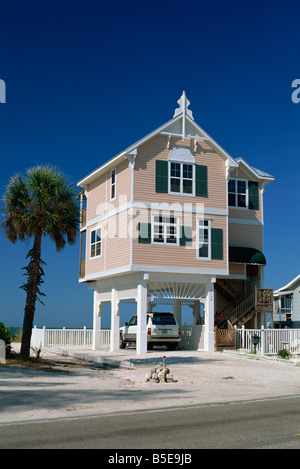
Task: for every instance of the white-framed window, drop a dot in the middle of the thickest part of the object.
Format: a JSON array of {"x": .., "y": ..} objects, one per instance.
[
  {"x": 238, "y": 193},
  {"x": 112, "y": 184},
  {"x": 96, "y": 243},
  {"x": 181, "y": 178},
  {"x": 165, "y": 229},
  {"x": 203, "y": 239}
]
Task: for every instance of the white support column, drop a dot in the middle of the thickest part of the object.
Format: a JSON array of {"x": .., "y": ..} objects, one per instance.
[
  {"x": 196, "y": 312},
  {"x": 209, "y": 334},
  {"x": 115, "y": 322},
  {"x": 96, "y": 322},
  {"x": 177, "y": 311},
  {"x": 141, "y": 338}
]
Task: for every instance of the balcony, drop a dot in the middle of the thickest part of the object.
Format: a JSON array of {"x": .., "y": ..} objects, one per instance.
[
  {"x": 83, "y": 218},
  {"x": 82, "y": 269}
]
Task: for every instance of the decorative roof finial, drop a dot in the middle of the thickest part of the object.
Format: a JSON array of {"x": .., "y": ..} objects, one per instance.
[{"x": 184, "y": 104}]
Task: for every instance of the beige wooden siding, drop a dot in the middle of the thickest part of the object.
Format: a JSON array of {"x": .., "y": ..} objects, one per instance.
[
  {"x": 115, "y": 248},
  {"x": 93, "y": 265},
  {"x": 118, "y": 241},
  {"x": 236, "y": 269},
  {"x": 98, "y": 194},
  {"x": 244, "y": 235},
  {"x": 96, "y": 198},
  {"x": 177, "y": 256},
  {"x": 156, "y": 149}
]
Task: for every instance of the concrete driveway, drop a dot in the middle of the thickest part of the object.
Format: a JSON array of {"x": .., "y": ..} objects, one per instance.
[{"x": 70, "y": 387}]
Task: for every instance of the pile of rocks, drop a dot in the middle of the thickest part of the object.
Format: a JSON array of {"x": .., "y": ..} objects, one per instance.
[{"x": 160, "y": 374}]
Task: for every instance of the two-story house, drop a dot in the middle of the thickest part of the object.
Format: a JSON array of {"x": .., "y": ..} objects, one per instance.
[{"x": 173, "y": 216}]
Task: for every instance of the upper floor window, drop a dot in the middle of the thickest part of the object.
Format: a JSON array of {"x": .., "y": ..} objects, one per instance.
[
  {"x": 180, "y": 175},
  {"x": 182, "y": 178},
  {"x": 112, "y": 184},
  {"x": 238, "y": 193},
  {"x": 96, "y": 242},
  {"x": 165, "y": 229},
  {"x": 181, "y": 171}
]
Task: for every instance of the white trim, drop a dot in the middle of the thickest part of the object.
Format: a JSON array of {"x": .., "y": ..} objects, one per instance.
[
  {"x": 283, "y": 293},
  {"x": 288, "y": 285},
  {"x": 155, "y": 269},
  {"x": 261, "y": 175},
  {"x": 236, "y": 179},
  {"x": 196, "y": 208},
  {"x": 90, "y": 244},
  {"x": 109, "y": 214},
  {"x": 165, "y": 225},
  {"x": 185, "y": 194},
  {"x": 188, "y": 208},
  {"x": 181, "y": 155},
  {"x": 113, "y": 161}
]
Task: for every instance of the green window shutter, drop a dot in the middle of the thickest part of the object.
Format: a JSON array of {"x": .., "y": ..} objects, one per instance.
[
  {"x": 253, "y": 195},
  {"x": 201, "y": 181},
  {"x": 186, "y": 236},
  {"x": 216, "y": 243},
  {"x": 144, "y": 233},
  {"x": 161, "y": 176}
]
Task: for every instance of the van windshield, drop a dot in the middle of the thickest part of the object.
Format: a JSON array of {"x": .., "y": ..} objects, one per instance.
[{"x": 163, "y": 319}]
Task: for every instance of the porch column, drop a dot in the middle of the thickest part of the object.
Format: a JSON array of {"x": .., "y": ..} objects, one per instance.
[
  {"x": 209, "y": 333},
  {"x": 96, "y": 322},
  {"x": 196, "y": 312},
  {"x": 141, "y": 338},
  {"x": 115, "y": 322},
  {"x": 177, "y": 311}
]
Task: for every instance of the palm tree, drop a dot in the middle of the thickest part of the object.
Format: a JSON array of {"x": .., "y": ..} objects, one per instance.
[{"x": 41, "y": 203}]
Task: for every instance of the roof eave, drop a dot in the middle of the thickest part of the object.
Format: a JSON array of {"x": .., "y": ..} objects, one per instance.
[
  {"x": 266, "y": 178},
  {"x": 288, "y": 285},
  {"x": 113, "y": 161}
]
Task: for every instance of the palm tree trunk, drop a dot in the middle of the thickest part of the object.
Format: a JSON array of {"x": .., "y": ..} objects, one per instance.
[{"x": 31, "y": 296}]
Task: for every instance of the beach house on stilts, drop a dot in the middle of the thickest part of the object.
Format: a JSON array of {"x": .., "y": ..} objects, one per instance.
[{"x": 174, "y": 218}]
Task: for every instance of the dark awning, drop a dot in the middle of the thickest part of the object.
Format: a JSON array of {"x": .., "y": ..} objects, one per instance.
[{"x": 241, "y": 255}]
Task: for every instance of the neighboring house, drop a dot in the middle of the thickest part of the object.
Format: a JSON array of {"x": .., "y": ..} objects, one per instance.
[
  {"x": 287, "y": 305},
  {"x": 174, "y": 218}
]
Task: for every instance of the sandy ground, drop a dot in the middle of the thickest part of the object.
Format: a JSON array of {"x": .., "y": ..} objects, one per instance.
[{"x": 69, "y": 387}]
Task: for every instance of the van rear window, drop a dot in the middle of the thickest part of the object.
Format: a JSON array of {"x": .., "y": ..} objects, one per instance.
[{"x": 163, "y": 319}]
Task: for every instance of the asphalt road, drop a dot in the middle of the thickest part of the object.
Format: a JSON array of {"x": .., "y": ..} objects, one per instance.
[{"x": 258, "y": 424}]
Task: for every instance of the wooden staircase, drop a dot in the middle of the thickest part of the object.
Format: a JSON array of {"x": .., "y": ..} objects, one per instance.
[
  {"x": 228, "y": 289},
  {"x": 260, "y": 301}
]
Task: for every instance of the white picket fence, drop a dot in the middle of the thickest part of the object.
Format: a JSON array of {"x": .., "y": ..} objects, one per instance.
[
  {"x": 270, "y": 340},
  {"x": 68, "y": 338}
]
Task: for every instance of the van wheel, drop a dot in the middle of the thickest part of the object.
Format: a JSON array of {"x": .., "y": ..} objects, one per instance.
[{"x": 122, "y": 343}]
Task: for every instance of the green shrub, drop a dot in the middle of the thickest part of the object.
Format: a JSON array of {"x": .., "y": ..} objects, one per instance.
[
  {"x": 5, "y": 335},
  {"x": 283, "y": 353}
]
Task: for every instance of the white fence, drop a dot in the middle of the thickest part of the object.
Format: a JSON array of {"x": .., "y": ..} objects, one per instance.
[
  {"x": 270, "y": 340},
  {"x": 192, "y": 338},
  {"x": 69, "y": 338}
]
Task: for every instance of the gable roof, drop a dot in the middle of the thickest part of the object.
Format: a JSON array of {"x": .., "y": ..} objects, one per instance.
[
  {"x": 257, "y": 173},
  {"x": 182, "y": 125},
  {"x": 288, "y": 286}
]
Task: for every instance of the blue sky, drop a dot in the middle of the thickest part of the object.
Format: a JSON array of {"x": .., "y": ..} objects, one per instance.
[{"x": 85, "y": 79}]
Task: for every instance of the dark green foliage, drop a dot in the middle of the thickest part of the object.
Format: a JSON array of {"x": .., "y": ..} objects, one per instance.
[{"x": 6, "y": 337}]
